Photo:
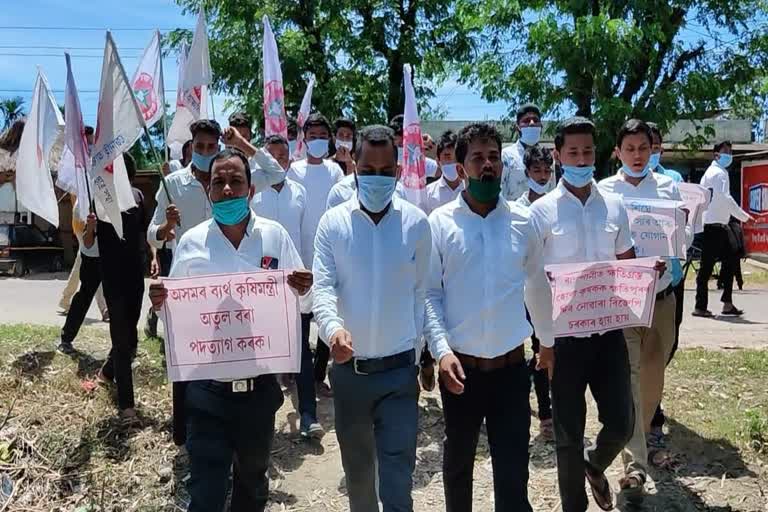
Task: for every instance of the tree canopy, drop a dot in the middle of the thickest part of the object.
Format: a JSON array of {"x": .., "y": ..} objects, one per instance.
[{"x": 11, "y": 109}]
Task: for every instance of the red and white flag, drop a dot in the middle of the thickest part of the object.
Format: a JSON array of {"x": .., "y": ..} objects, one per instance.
[
  {"x": 413, "y": 174},
  {"x": 275, "y": 122},
  {"x": 75, "y": 159},
  {"x": 147, "y": 83},
  {"x": 178, "y": 133},
  {"x": 119, "y": 124},
  {"x": 197, "y": 70},
  {"x": 306, "y": 107},
  {"x": 34, "y": 186}
]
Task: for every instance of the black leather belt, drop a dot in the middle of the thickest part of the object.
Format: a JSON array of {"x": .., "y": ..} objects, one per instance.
[
  {"x": 669, "y": 290},
  {"x": 383, "y": 364},
  {"x": 236, "y": 386},
  {"x": 511, "y": 358}
]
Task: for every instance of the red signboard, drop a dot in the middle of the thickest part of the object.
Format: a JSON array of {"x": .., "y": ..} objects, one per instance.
[{"x": 754, "y": 200}]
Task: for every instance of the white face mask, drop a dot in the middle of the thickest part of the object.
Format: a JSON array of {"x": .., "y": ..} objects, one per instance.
[
  {"x": 450, "y": 171},
  {"x": 343, "y": 144},
  {"x": 317, "y": 148},
  {"x": 530, "y": 135}
]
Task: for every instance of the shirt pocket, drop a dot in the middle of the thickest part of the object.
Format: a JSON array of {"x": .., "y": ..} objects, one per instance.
[
  {"x": 606, "y": 235},
  {"x": 565, "y": 240}
]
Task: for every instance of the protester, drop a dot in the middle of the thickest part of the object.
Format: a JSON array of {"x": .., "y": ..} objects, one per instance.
[
  {"x": 514, "y": 182},
  {"x": 370, "y": 266},
  {"x": 649, "y": 347},
  {"x": 344, "y": 135},
  {"x": 285, "y": 204},
  {"x": 293, "y": 132},
  {"x": 716, "y": 240},
  {"x": 657, "y": 151},
  {"x": 317, "y": 175},
  {"x": 228, "y": 430},
  {"x": 538, "y": 170},
  {"x": 177, "y": 165},
  {"x": 346, "y": 189},
  {"x": 476, "y": 325},
  {"x": 429, "y": 146},
  {"x": 451, "y": 182},
  {"x": 241, "y": 122},
  {"x": 123, "y": 263},
  {"x": 577, "y": 222},
  {"x": 430, "y": 165}
]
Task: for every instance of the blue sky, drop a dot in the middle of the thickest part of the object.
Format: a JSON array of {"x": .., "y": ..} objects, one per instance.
[{"x": 21, "y": 51}]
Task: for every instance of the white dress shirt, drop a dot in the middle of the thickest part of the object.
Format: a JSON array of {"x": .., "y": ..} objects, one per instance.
[
  {"x": 722, "y": 206},
  {"x": 317, "y": 180},
  {"x": 440, "y": 193},
  {"x": 371, "y": 279},
  {"x": 524, "y": 200},
  {"x": 285, "y": 207},
  {"x": 475, "y": 298},
  {"x": 175, "y": 165},
  {"x": 430, "y": 167},
  {"x": 345, "y": 190},
  {"x": 653, "y": 186},
  {"x": 572, "y": 232},
  {"x": 514, "y": 182}
]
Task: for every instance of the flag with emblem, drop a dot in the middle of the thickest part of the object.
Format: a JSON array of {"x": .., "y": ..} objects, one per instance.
[
  {"x": 413, "y": 172},
  {"x": 275, "y": 122},
  {"x": 147, "y": 82},
  {"x": 178, "y": 133},
  {"x": 119, "y": 123},
  {"x": 34, "y": 185},
  {"x": 306, "y": 106},
  {"x": 197, "y": 70}
]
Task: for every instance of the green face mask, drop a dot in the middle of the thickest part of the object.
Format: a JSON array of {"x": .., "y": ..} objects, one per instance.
[{"x": 484, "y": 191}]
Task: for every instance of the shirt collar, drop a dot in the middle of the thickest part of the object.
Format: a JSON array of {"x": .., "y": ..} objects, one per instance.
[
  {"x": 561, "y": 191},
  {"x": 355, "y": 206},
  {"x": 501, "y": 206},
  {"x": 648, "y": 179},
  {"x": 248, "y": 229}
]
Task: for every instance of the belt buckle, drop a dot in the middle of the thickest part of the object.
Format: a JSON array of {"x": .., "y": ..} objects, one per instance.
[
  {"x": 239, "y": 386},
  {"x": 354, "y": 365}
]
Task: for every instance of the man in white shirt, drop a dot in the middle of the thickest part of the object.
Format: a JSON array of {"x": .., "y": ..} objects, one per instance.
[
  {"x": 649, "y": 347},
  {"x": 317, "y": 175},
  {"x": 528, "y": 127},
  {"x": 430, "y": 165},
  {"x": 227, "y": 428},
  {"x": 344, "y": 135},
  {"x": 577, "y": 222},
  {"x": 285, "y": 203},
  {"x": 451, "y": 183},
  {"x": 476, "y": 325},
  {"x": 371, "y": 261},
  {"x": 716, "y": 244}
]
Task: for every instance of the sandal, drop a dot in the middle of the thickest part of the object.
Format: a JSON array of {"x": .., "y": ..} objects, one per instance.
[
  {"x": 546, "y": 430},
  {"x": 732, "y": 311},
  {"x": 633, "y": 487},
  {"x": 704, "y": 313},
  {"x": 601, "y": 490}
]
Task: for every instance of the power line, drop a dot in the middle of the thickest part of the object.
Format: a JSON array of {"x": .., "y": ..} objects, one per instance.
[
  {"x": 29, "y": 91},
  {"x": 100, "y": 48},
  {"x": 75, "y": 56},
  {"x": 101, "y": 29}
]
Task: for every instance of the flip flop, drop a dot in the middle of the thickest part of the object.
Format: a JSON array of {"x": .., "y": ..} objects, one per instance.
[
  {"x": 633, "y": 487},
  {"x": 733, "y": 312},
  {"x": 601, "y": 490},
  {"x": 704, "y": 314}
]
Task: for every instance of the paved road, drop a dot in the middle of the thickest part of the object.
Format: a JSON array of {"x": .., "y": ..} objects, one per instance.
[{"x": 34, "y": 300}]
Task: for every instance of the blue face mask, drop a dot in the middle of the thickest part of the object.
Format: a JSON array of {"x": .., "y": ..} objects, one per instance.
[
  {"x": 578, "y": 176},
  {"x": 725, "y": 160},
  {"x": 202, "y": 162},
  {"x": 632, "y": 174},
  {"x": 231, "y": 211},
  {"x": 317, "y": 148},
  {"x": 653, "y": 163},
  {"x": 375, "y": 192},
  {"x": 530, "y": 135},
  {"x": 539, "y": 189},
  {"x": 292, "y": 147}
]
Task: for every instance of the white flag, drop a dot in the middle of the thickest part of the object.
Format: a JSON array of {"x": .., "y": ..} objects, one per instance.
[
  {"x": 178, "y": 133},
  {"x": 34, "y": 186},
  {"x": 119, "y": 124},
  {"x": 413, "y": 173},
  {"x": 275, "y": 122},
  {"x": 306, "y": 107},
  {"x": 148, "y": 84},
  {"x": 197, "y": 71},
  {"x": 74, "y": 157}
]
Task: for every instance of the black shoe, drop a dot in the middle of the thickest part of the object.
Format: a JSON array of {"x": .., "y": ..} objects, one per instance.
[{"x": 66, "y": 347}]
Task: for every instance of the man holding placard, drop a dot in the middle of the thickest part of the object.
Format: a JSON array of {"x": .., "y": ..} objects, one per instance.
[
  {"x": 577, "y": 222},
  {"x": 230, "y": 423},
  {"x": 649, "y": 348}
]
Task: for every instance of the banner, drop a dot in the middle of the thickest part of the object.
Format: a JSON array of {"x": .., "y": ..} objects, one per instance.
[
  {"x": 658, "y": 227},
  {"x": 231, "y": 326},
  {"x": 304, "y": 110},
  {"x": 696, "y": 199},
  {"x": 34, "y": 185},
  {"x": 754, "y": 199},
  {"x": 275, "y": 122},
  {"x": 147, "y": 83},
  {"x": 413, "y": 173},
  {"x": 596, "y": 297},
  {"x": 197, "y": 69}
]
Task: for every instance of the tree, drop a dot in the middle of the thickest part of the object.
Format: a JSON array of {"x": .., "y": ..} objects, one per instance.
[
  {"x": 356, "y": 49},
  {"x": 610, "y": 60},
  {"x": 11, "y": 109}
]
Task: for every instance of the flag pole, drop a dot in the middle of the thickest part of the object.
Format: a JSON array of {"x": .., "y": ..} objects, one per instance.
[
  {"x": 213, "y": 106},
  {"x": 162, "y": 89}
]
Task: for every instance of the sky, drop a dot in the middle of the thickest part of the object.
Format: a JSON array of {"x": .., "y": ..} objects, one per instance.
[{"x": 54, "y": 26}]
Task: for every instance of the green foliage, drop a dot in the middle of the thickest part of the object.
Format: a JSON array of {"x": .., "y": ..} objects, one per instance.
[
  {"x": 355, "y": 49},
  {"x": 611, "y": 60},
  {"x": 11, "y": 110}
]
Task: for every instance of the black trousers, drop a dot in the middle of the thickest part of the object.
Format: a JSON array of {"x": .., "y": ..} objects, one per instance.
[
  {"x": 230, "y": 431},
  {"x": 305, "y": 381},
  {"x": 122, "y": 268},
  {"x": 322, "y": 355},
  {"x": 508, "y": 420},
  {"x": 540, "y": 379},
  {"x": 715, "y": 246},
  {"x": 90, "y": 280},
  {"x": 600, "y": 362},
  {"x": 165, "y": 257}
]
